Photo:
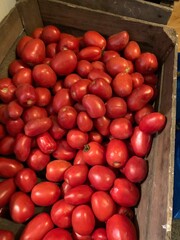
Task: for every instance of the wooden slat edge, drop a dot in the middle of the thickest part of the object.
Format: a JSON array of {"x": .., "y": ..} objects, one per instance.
[{"x": 10, "y": 28}]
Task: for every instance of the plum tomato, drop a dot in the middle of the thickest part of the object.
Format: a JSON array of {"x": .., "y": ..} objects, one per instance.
[
  {"x": 146, "y": 63},
  {"x": 122, "y": 84},
  {"x": 117, "y": 65},
  {"x": 64, "y": 150},
  {"x": 24, "y": 75},
  {"x": 46, "y": 143},
  {"x": 58, "y": 233},
  {"x": 116, "y": 107},
  {"x": 84, "y": 122},
  {"x": 121, "y": 128},
  {"x": 70, "y": 79},
  {"x": 50, "y": 34},
  {"x": 102, "y": 125},
  {"x": 83, "y": 68},
  {"x": 132, "y": 50},
  {"x": 94, "y": 38},
  {"x": 137, "y": 79},
  {"x": 6, "y": 235},
  {"x": 14, "y": 110},
  {"x": 79, "y": 89},
  {"x": 7, "y": 188},
  {"x": 99, "y": 234},
  {"x": 34, "y": 112},
  {"x": 138, "y": 115},
  {"x": 67, "y": 116},
  {"x": 90, "y": 53},
  {"x": 68, "y": 42},
  {"x": 22, "y": 147},
  {"x": 76, "y": 138},
  {"x": 43, "y": 96},
  {"x": 37, "y": 160},
  {"x": 7, "y": 90},
  {"x": 97, "y": 73},
  {"x": 61, "y": 98},
  {"x": 118, "y": 41}
]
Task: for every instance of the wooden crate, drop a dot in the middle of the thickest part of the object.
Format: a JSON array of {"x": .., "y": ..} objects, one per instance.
[{"x": 154, "y": 213}]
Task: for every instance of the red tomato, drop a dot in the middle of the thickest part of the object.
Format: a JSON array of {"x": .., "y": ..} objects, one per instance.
[
  {"x": 64, "y": 151},
  {"x": 108, "y": 54},
  {"x": 7, "y": 188},
  {"x": 37, "y": 160},
  {"x": 15, "y": 66},
  {"x": 94, "y": 153},
  {"x": 132, "y": 50},
  {"x": 102, "y": 125},
  {"x": 151, "y": 79},
  {"x": 33, "y": 52},
  {"x": 37, "y": 227},
  {"x": 98, "y": 65},
  {"x": 22, "y": 42},
  {"x": 127, "y": 211},
  {"x": 45, "y": 193},
  {"x": 22, "y": 147},
  {"x": 58, "y": 233},
  {"x": 50, "y": 34},
  {"x": 6, "y": 235},
  {"x": 125, "y": 193},
  {"x": 76, "y": 174},
  {"x": 76, "y": 138},
  {"x": 65, "y": 187},
  {"x": 94, "y": 105},
  {"x": 78, "y": 159},
  {"x": 148, "y": 108},
  {"x": 9, "y": 167},
  {"x": 139, "y": 97},
  {"x": 26, "y": 95},
  {"x": 90, "y": 53},
  {"x": 83, "y": 220},
  {"x": 7, "y": 145},
  {"x": 152, "y": 123},
  {"x": 4, "y": 113},
  {"x": 25, "y": 179},
  {"x": 79, "y": 89},
  {"x": 2, "y": 131},
  {"x": 55, "y": 170},
  {"x": 43, "y": 96},
  {"x": 122, "y": 84},
  {"x": 70, "y": 79},
  {"x": 146, "y": 63},
  {"x": 77, "y": 236},
  {"x": 136, "y": 169},
  {"x": 78, "y": 195},
  {"x": 37, "y": 32},
  {"x": 14, "y": 127},
  {"x": 60, "y": 60},
  {"x": 116, "y": 107},
  {"x": 51, "y": 50},
  {"x": 117, "y": 65},
  {"x": 61, "y": 98},
  {"x": 99, "y": 234},
  {"x": 120, "y": 227},
  {"x": 118, "y": 41},
  {"x": 102, "y": 205},
  {"x": 116, "y": 153},
  {"x": 14, "y": 110},
  {"x": 67, "y": 116},
  {"x": 46, "y": 143},
  {"x": 21, "y": 207},
  {"x": 121, "y": 128},
  {"x": 101, "y": 177},
  {"x": 93, "y": 38},
  {"x": 61, "y": 213},
  {"x": 34, "y": 112},
  {"x": 24, "y": 75},
  {"x": 83, "y": 68},
  {"x": 101, "y": 88},
  {"x": 56, "y": 131},
  {"x": 137, "y": 79},
  {"x": 84, "y": 122},
  {"x": 68, "y": 42},
  {"x": 140, "y": 142},
  {"x": 97, "y": 73},
  {"x": 7, "y": 90},
  {"x": 44, "y": 76},
  {"x": 57, "y": 86},
  {"x": 95, "y": 136}
]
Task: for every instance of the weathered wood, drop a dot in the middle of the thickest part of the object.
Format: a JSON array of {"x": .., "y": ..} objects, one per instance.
[
  {"x": 10, "y": 28},
  {"x": 30, "y": 15},
  {"x": 138, "y": 9}
]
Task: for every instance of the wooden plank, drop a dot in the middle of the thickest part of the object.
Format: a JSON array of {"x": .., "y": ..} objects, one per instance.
[
  {"x": 82, "y": 18},
  {"x": 10, "y": 28},
  {"x": 138, "y": 9},
  {"x": 30, "y": 14}
]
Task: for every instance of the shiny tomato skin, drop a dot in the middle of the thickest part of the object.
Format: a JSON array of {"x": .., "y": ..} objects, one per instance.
[
  {"x": 117, "y": 65},
  {"x": 67, "y": 116},
  {"x": 44, "y": 76},
  {"x": 37, "y": 160},
  {"x": 6, "y": 235},
  {"x": 70, "y": 79},
  {"x": 79, "y": 89},
  {"x": 37, "y": 32},
  {"x": 102, "y": 205},
  {"x": 14, "y": 110},
  {"x": 83, "y": 220},
  {"x": 140, "y": 142},
  {"x": 137, "y": 79},
  {"x": 34, "y": 112},
  {"x": 64, "y": 151},
  {"x": 152, "y": 123},
  {"x": 102, "y": 125},
  {"x": 94, "y": 105},
  {"x": 125, "y": 193},
  {"x": 7, "y": 188},
  {"x": 93, "y": 38},
  {"x": 94, "y": 153},
  {"x": 14, "y": 127},
  {"x": 51, "y": 50},
  {"x": 97, "y": 73},
  {"x": 121, "y": 128},
  {"x": 78, "y": 159},
  {"x": 108, "y": 54},
  {"x": 22, "y": 147},
  {"x": 45, "y": 193},
  {"x": 64, "y": 62},
  {"x": 101, "y": 88},
  {"x": 9, "y": 167},
  {"x": 46, "y": 143},
  {"x": 122, "y": 84},
  {"x": 146, "y": 63},
  {"x": 61, "y": 98},
  {"x": 37, "y": 227},
  {"x": 118, "y": 41},
  {"x": 50, "y": 34},
  {"x": 140, "y": 97},
  {"x": 84, "y": 122},
  {"x": 83, "y": 68},
  {"x": 15, "y": 66},
  {"x": 56, "y": 131},
  {"x": 25, "y": 179},
  {"x": 43, "y": 96},
  {"x": 95, "y": 136},
  {"x": 68, "y": 42},
  {"x": 116, "y": 107},
  {"x": 76, "y": 138},
  {"x": 58, "y": 233},
  {"x": 101, "y": 177},
  {"x": 116, "y": 153},
  {"x": 77, "y": 236},
  {"x": 120, "y": 227},
  {"x": 90, "y": 53},
  {"x": 148, "y": 108},
  {"x": 78, "y": 195},
  {"x": 26, "y": 95},
  {"x": 132, "y": 50},
  {"x": 22, "y": 42},
  {"x": 7, "y": 145},
  {"x": 99, "y": 234},
  {"x": 24, "y": 75},
  {"x": 7, "y": 90},
  {"x": 21, "y": 207},
  {"x": 61, "y": 212},
  {"x": 76, "y": 174},
  {"x": 33, "y": 52},
  {"x": 98, "y": 65},
  {"x": 55, "y": 170}
]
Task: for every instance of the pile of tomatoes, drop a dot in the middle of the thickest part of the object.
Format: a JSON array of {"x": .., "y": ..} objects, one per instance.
[{"x": 77, "y": 121}]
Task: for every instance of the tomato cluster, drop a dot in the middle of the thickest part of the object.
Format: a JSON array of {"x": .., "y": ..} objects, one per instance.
[{"x": 77, "y": 122}]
